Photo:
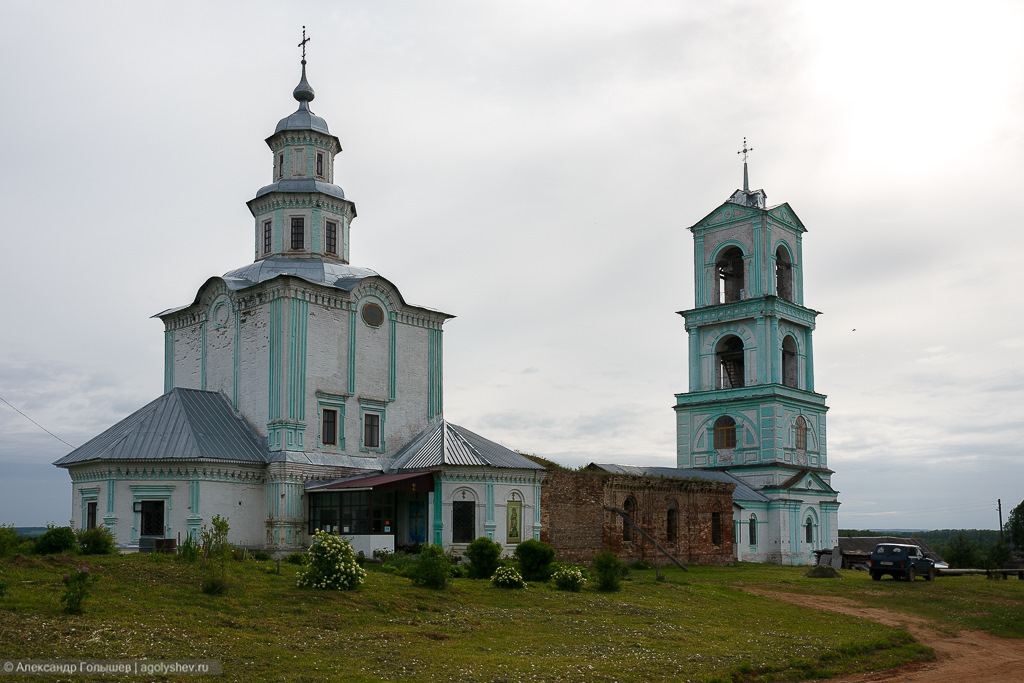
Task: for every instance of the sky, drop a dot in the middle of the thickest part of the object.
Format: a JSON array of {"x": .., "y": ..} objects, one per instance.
[{"x": 531, "y": 168}]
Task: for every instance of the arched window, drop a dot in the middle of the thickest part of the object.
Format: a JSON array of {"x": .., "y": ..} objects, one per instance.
[
  {"x": 672, "y": 522},
  {"x": 629, "y": 507},
  {"x": 809, "y": 530},
  {"x": 783, "y": 274},
  {"x": 789, "y": 362},
  {"x": 730, "y": 275},
  {"x": 729, "y": 357},
  {"x": 801, "y": 433},
  {"x": 725, "y": 433},
  {"x": 752, "y": 526}
]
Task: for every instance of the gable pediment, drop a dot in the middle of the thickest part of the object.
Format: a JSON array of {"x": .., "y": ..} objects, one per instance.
[
  {"x": 784, "y": 214},
  {"x": 723, "y": 215}
]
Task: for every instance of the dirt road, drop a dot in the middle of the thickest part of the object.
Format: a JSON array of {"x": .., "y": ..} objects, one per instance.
[{"x": 967, "y": 657}]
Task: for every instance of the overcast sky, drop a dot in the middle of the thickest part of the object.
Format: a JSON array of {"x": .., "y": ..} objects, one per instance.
[{"x": 531, "y": 168}]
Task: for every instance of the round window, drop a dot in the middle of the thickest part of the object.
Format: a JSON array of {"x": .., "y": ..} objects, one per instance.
[{"x": 373, "y": 315}]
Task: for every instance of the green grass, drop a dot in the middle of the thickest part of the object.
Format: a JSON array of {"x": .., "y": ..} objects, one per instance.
[
  {"x": 955, "y": 603},
  {"x": 694, "y": 626}
]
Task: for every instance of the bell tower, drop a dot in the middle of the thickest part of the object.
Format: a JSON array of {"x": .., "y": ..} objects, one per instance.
[{"x": 751, "y": 408}]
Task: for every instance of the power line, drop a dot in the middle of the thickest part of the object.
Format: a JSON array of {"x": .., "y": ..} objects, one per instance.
[{"x": 36, "y": 423}]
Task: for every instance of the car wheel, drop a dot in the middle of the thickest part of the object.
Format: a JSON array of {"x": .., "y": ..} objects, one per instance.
[
  {"x": 931, "y": 575},
  {"x": 876, "y": 576},
  {"x": 911, "y": 574}
]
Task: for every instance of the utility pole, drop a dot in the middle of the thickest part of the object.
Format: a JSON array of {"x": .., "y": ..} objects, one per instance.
[{"x": 1000, "y": 502}]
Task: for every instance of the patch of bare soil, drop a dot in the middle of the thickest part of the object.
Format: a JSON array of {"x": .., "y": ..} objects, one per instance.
[{"x": 966, "y": 657}]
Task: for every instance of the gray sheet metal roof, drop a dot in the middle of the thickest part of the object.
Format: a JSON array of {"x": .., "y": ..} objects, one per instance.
[
  {"x": 315, "y": 270},
  {"x": 183, "y": 425},
  {"x": 742, "y": 492},
  {"x": 448, "y": 444},
  {"x": 304, "y": 185}
]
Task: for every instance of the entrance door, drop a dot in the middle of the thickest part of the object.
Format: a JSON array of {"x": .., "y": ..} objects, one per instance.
[
  {"x": 417, "y": 522},
  {"x": 152, "y": 518}
]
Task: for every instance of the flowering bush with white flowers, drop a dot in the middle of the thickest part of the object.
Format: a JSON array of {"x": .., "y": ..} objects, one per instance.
[
  {"x": 508, "y": 577},
  {"x": 569, "y": 579},
  {"x": 331, "y": 564}
]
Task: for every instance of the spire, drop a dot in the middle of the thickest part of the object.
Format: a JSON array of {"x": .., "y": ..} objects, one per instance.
[
  {"x": 745, "y": 197},
  {"x": 744, "y": 151},
  {"x": 303, "y": 91}
]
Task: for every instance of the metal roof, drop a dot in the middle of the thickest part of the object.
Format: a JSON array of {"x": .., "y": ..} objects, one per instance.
[
  {"x": 742, "y": 492},
  {"x": 306, "y": 185},
  {"x": 448, "y": 444},
  {"x": 182, "y": 425},
  {"x": 315, "y": 270}
]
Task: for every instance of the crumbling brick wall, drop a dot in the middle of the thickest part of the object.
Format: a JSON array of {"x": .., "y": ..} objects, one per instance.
[{"x": 575, "y": 520}]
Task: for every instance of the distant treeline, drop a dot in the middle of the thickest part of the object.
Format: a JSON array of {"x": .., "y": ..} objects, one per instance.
[
  {"x": 961, "y": 548},
  {"x": 982, "y": 537}
]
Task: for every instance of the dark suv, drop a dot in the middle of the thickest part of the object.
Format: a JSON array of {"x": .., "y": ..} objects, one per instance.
[{"x": 900, "y": 562}]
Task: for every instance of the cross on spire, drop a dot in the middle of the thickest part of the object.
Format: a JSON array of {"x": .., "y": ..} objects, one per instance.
[
  {"x": 306, "y": 40},
  {"x": 743, "y": 151}
]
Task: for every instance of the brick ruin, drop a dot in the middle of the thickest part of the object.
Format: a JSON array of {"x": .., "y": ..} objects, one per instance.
[{"x": 690, "y": 518}]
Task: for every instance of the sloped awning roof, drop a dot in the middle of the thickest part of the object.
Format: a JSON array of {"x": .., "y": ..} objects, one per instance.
[
  {"x": 182, "y": 425},
  {"x": 448, "y": 444},
  {"x": 408, "y": 481}
]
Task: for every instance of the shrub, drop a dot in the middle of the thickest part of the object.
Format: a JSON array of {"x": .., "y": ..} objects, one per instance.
[
  {"x": 433, "y": 569},
  {"x": 640, "y": 565},
  {"x": 569, "y": 579},
  {"x": 508, "y": 577},
  {"x": 189, "y": 550},
  {"x": 610, "y": 570},
  {"x": 823, "y": 571},
  {"x": 296, "y": 558},
  {"x": 214, "y": 541},
  {"x": 534, "y": 559},
  {"x": 331, "y": 564},
  {"x": 76, "y": 590},
  {"x": 9, "y": 540},
  {"x": 458, "y": 571},
  {"x": 4, "y": 584},
  {"x": 260, "y": 555},
  {"x": 483, "y": 554},
  {"x": 96, "y": 541},
  {"x": 57, "y": 539}
]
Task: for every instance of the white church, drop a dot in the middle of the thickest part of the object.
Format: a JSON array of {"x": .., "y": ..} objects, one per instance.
[{"x": 303, "y": 393}]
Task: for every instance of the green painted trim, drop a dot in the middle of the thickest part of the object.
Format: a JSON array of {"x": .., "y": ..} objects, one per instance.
[
  {"x": 316, "y": 233},
  {"x": 274, "y": 364},
  {"x": 536, "y": 510},
  {"x": 88, "y": 495},
  {"x": 152, "y": 492},
  {"x": 368, "y": 405},
  {"x": 168, "y": 360},
  {"x": 699, "y": 273},
  {"x": 299, "y": 319},
  {"x": 809, "y": 362},
  {"x": 435, "y": 374},
  {"x": 694, "y": 339},
  {"x": 236, "y": 359},
  {"x": 352, "y": 351},
  {"x": 335, "y": 402},
  {"x": 202, "y": 354},
  {"x": 392, "y": 357},
  {"x": 436, "y": 499},
  {"x": 489, "y": 524}
]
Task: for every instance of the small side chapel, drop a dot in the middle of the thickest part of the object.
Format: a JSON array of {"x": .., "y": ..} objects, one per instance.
[
  {"x": 751, "y": 410},
  {"x": 301, "y": 393}
]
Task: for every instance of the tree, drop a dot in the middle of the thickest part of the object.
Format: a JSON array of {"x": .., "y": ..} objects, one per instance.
[
  {"x": 963, "y": 553},
  {"x": 1014, "y": 526}
]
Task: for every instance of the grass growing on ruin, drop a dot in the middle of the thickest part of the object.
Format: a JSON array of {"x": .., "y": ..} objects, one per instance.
[{"x": 694, "y": 626}]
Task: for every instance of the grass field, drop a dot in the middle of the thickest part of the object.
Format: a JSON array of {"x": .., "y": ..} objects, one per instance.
[{"x": 697, "y": 626}]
